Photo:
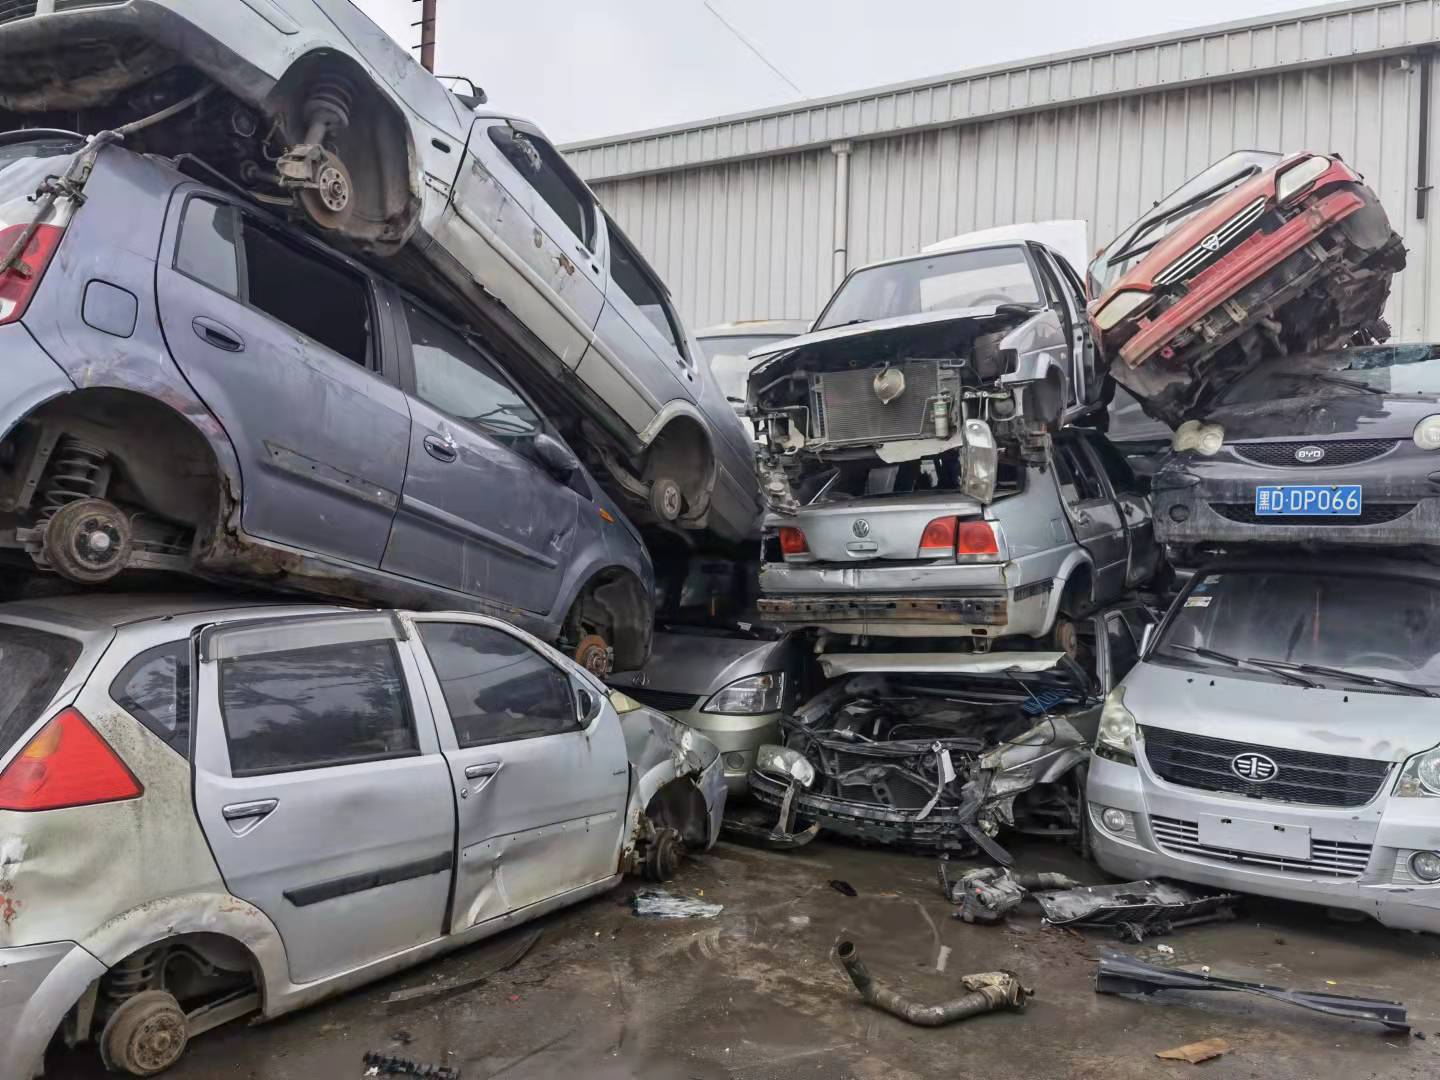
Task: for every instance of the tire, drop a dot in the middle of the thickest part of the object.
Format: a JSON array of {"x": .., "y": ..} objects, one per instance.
[{"x": 145, "y": 1035}]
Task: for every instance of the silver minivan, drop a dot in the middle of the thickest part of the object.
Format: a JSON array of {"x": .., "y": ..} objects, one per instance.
[
  {"x": 1281, "y": 736},
  {"x": 210, "y": 810}
]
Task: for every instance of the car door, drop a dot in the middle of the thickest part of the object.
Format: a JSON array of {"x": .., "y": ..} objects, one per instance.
[
  {"x": 540, "y": 767},
  {"x": 476, "y": 513},
  {"x": 279, "y": 341},
  {"x": 1134, "y": 504},
  {"x": 1057, "y": 295},
  {"x": 321, "y": 788},
  {"x": 1089, "y": 362},
  {"x": 1094, "y": 515}
]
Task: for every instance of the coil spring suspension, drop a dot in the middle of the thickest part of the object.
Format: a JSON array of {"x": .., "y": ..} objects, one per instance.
[
  {"x": 330, "y": 101},
  {"x": 134, "y": 975},
  {"x": 77, "y": 471}
]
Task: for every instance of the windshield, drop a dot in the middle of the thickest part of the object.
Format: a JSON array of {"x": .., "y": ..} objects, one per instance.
[
  {"x": 1388, "y": 628},
  {"x": 981, "y": 278},
  {"x": 1127, "y": 249},
  {"x": 33, "y": 664},
  {"x": 1390, "y": 369},
  {"x": 730, "y": 359}
]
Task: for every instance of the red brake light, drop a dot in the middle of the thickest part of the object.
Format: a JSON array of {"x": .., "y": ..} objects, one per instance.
[
  {"x": 939, "y": 537},
  {"x": 67, "y": 763},
  {"x": 977, "y": 538},
  {"x": 18, "y": 284},
  {"x": 792, "y": 541}
]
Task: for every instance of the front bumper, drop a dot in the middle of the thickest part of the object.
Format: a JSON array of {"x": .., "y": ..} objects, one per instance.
[
  {"x": 1384, "y": 889},
  {"x": 1220, "y": 513},
  {"x": 941, "y": 830},
  {"x": 738, "y": 739},
  {"x": 38, "y": 985}
]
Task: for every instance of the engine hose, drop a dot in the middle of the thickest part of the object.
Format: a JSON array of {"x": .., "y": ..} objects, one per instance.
[{"x": 986, "y": 992}]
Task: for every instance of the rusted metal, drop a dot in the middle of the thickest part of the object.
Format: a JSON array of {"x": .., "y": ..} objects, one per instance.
[{"x": 427, "y": 34}]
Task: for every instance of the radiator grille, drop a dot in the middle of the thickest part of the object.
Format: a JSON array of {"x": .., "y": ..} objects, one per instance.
[
  {"x": 10, "y": 10},
  {"x": 1370, "y": 514},
  {"x": 1328, "y": 858},
  {"x": 1197, "y": 761},
  {"x": 664, "y": 700},
  {"x": 1339, "y": 452},
  {"x": 1219, "y": 242},
  {"x": 846, "y": 409}
]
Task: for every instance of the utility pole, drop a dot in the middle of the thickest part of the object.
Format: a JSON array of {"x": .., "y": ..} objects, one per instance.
[{"x": 427, "y": 33}]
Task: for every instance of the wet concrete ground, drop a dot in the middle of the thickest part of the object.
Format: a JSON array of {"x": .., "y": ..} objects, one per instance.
[{"x": 752, "y": 994}]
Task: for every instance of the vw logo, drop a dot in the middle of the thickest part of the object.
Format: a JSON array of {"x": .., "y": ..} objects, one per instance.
[
  {"x": 861, "y": 527},
  {"x": 1211, "y": 242},
  {"x": 1256, "y": 767},
  {"x": 1308, "y": 455}
]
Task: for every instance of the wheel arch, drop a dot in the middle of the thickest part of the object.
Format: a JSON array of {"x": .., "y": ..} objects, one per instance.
[
  {"x": 621, "y": 593},
  {"x": 680, "y": 434},
  {"x": 1076, "y": 572}
]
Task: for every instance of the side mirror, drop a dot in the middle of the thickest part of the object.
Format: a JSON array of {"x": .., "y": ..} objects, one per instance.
[
  {"x": 587, "y": 706},
  {"x": 556, "y": 458}
]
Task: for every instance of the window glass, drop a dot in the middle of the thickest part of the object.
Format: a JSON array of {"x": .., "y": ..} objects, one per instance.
[
  {"x": 1075, "y": 472},
  {"x": 496, "y": 687},
  {"x": 729, "y": 359},
  {"x": 155, "y": 689},
  {"x": 312, "y": 296},
  {"x": 1122, "y": 477},
  {"x": 34, "y": 664},
  {"x": 545, "y": 171},
  {"x": 1124, "y": 652},
  {"x": 454, "y": 377},
  {"x": 315, "y": 707},
  {"x": 980, "y": 278},
  {"x": 209, "y": 245},
  {"x": 628, "y": 273},
  {"x": 1052, "y": 286}
]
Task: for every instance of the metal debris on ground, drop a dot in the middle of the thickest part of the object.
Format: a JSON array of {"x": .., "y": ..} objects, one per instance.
[
  {"x": 1195, "y": 1052},
  {"x": 988, "y": 894},
  {"x": 986, "y": 991},
  {"x": 843, "y": 887},
  {"x": 652, "y": 903},
  {"x": 508, "y": 959},
  {"x": 1122, "y": 974},
  {"x": 385, "y": 1065},
  {"x": 1137, "y": 909}
]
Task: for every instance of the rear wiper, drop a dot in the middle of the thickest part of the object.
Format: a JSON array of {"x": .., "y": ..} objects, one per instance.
[
  {"x": 1336, "y": 381},
  {"x": 1235, "y": 661},
  {"x": 1368, "y": 680}
]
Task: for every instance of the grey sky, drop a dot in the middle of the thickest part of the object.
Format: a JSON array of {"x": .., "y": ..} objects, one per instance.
[{"x": 586, "y": 68}]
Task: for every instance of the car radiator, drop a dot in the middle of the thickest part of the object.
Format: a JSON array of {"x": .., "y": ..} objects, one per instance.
[{"x": 846, "y": 409}]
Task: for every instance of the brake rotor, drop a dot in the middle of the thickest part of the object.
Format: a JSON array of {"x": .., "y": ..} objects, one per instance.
[
  {"x": 332, "y": 201},
  {"x": 595, "y": 655}
]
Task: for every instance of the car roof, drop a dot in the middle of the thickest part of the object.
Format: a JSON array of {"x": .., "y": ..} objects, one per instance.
[{"x": 102, "y": 610}]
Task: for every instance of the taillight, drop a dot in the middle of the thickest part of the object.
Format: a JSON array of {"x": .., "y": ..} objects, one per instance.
[
  {"x": 792, "y": 541},
  {"x": 67, "y": 763},
  {"x": 18, "y": 284},
  {"x": 976, "y": 538},
  {"x": 938, "y": 537}
]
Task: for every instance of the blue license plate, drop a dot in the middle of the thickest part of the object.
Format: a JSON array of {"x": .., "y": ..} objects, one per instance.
[{"x": 1308, "y": 500}]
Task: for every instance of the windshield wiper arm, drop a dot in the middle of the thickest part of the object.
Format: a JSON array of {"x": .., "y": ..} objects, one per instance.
[
  {"x": 1336, "y": 381},
  {"x": 1369, "y": 680},
  {"x": 1209, "y": 654},
  {"x": 1226, "y": 658},
  {"x": 1284, "y": 670}
]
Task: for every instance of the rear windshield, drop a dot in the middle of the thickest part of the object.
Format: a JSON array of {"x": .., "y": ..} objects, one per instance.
[{"x": 33, "y": 664}]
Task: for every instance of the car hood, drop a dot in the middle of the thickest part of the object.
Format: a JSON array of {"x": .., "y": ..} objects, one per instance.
[
  {"x": 1329, "y": 411},
  {"x": 702, "y": 664},
  {"x": 1384, "y": 727}
]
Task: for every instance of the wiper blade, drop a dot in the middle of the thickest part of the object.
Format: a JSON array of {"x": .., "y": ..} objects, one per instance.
[
  {"x": 1284, "y": 670},
  {"x": 1210, "y": 654},
  {"x": 1369, "y": 680},
  {"x": 1336, "y": 381},
  {"x": 1234, "y": 661}
]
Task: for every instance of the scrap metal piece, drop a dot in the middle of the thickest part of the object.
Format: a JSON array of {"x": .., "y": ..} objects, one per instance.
[
  {"x": 988, "y": 894},
  {"x": 655, "y": 904},
  {"x": 1122, "y": 974},
  {"x": 1195, "y": 1052},
  {"x": 986, "y": 992},
  {"x": 779, "y": 837},
  {"x": 377, "y": 1064},
  {"x": 1137, "y": 908}
]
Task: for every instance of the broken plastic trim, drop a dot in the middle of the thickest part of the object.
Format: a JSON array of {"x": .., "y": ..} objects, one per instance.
[
  {"x": 1122, "y": 974},
  {"x": 988, "y": 991}
]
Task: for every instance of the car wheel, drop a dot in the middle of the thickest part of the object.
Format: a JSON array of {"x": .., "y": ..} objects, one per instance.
[
  {"x": 145, "y": 1035},
  {"x": 88, "y": 541},
  {"x": 663, "y": 855},
  {"x": 666, "y": 499}
]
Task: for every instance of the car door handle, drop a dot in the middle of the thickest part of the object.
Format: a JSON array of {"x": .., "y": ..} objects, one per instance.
[
  {"x": 243, "y": 811},
  {"x": 217, "y": 334},
  {"x": 439, "y": 449},
  {"x": 1083, "y": 518},
  {"x": 484, "y": 769},
  {"x": 587, "y": 257}
]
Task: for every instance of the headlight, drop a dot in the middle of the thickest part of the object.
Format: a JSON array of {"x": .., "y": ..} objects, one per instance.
[
  {"x": 1116, "y": 738},
  {"x": 623, "y": 702},
  {"x": 1204, "y": 439},
  {"x": 1427, "y": 433},
  {"x": 1121, "y": 307},
  {"x": 1299, "y": 177},
  {"x": 782, "y": 761},
  {"x": 1420, "y": 777},
  {"x": 749, "y": 696}
]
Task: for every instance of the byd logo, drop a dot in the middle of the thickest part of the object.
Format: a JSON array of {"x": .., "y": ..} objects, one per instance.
[{"x": 1256, "y": 767}]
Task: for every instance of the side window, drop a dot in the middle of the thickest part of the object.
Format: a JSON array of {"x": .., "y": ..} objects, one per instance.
[
  {"x": 542, "y": 167},
  {"x": 496, "y": 687},
  {"x": 1124, "y": 650},
  {"x": 455, "y": 378},
  {"x": 209, "y": 247},
  {"x": 1122, "y": 477},
  {"x": 1052, "y": 284},
  {"x": 316, "y": 707},
  {"x": 155, "y": 689},
  {"x": 1073, "y": 280},
  {"x": 1076, "y": 472},
  {"x": 628, "y": 272}
]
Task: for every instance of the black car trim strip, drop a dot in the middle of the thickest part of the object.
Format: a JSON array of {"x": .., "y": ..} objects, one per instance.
[{"x": 321, "y": 891}]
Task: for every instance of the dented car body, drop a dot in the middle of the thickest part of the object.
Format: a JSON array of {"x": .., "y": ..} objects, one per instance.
[
  {"x": 221, "y": 810},
  {"x": 1260, "y": 254}
]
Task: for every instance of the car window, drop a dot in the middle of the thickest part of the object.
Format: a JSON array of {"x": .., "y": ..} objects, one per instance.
[
  {"x": 1072, "y": 279},
  {"x": 155, "y": 689},
  {"x": 1076, "y": 472},
  {"x": 546, "y": 172},
  {"x": 1122, "y": 476},
  {"x": 628, "y": 272},
  {"x": 946, "y": 281},
  {"x": 497, "y": 688},
  {"x": 1051, "y": 282},
  {"x": 456, "y": 378},
  {"x": 315, "y": 707},
  {"x": 34, "y": 664},
  {"x": 237, "y": 256},
  {"x": 1124, "y": 650}
]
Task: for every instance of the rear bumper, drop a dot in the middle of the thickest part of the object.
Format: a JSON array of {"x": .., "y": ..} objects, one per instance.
[
  {"x": 38, "y": 985},
  {"x": 939, "y": 831}
]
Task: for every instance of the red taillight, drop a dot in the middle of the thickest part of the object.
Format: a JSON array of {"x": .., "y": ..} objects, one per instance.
[
  {"x": 939, "y": 537},
  {"x": 976, "y": 538},
  {"x": 792, "y": 541},
  {"x": 18, "y": 284},
  {"x": 67, "y": 763}
]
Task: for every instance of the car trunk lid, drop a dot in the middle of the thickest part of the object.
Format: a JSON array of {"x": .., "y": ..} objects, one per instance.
[{"x": 888, "y": 528}]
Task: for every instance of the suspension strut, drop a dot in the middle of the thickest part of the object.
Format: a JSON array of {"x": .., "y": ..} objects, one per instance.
[{"x": 78, "y": 470}]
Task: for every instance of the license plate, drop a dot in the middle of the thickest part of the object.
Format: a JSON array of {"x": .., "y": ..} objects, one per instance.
[
  {"x": 1255, "y": 837},
  {"x": 1325, "y": 500}
]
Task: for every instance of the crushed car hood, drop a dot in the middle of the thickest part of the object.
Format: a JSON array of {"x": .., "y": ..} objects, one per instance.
[
  {"x": 1326, "y": 412},
  {"x": 943, "y": 663}
]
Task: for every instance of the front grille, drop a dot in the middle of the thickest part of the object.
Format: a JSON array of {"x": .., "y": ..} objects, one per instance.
[
  {"x": 1340, "y": 452},
  {"x": 664, "y": 700},
  {"x": 845, "y": 407},
  {"x": 1328, "y": 858},
  {"x": 10, "y": 10},
  {"x": 1198, "y": 761},
  {"x": 1222, "y": 240},
  {"x": 1370, "y": 514}
]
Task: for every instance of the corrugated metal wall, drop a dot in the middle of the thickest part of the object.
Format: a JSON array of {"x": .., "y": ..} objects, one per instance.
[{"x": 752, "y": 239}]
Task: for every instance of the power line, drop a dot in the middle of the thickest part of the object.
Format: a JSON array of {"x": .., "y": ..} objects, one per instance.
[{"x": 750, "y": 45}]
